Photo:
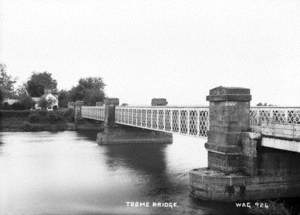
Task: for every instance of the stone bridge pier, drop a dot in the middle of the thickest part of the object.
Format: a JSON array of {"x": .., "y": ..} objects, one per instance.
[
  {"x": 238, "y": 168},
  {"x": 119, "y": 134}
]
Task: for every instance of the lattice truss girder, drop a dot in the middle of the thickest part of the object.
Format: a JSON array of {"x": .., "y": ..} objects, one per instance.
[
  {"x": 192, "y": 121},
  {"x": 274, "y": 115},
  {"x": 185, "y": 120},
  {"x": 93, "y": 112}
]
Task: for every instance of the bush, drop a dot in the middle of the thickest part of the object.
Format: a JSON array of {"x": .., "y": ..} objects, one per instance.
[
  {"x": 54, "y": 117},
  {"x": 43, "y": 103},
  {"x": 14, "y": 113},
  {"x": 34, "y": 117},
  {"x": 63, "y": 98},
  {"x": 27, "y": 126},
  {"x": 18, "y": 106},
  {"x": 27, "y": 102},
  {"x": 5, "y": 106},
  {"x": 67, "y": 114},
  {"x": 43, "y": 112}
]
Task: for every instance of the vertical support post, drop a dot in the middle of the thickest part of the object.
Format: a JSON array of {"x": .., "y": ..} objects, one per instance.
[
  {"x": 228, "y": 118},
  {"x": 286, "y": 113},
  {"x": 164, "y": 119},
  {"x": 151, "y": 118},
  {"x": 171, "y": 119},
  {"x": 109, "y": 111},
  {"x": 179, "y": 121},
  {"x": 146, "y": 118},
  {"x": 188, "y": 122},
  {"x": 157, "y": 118},
  {"x": 77, "y": 110},
  {"x": 197, "y": 123}
]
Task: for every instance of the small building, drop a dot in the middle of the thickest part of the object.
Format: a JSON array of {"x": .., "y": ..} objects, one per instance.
[
  {"x": 51, "y": 98},
  {"x": 10, "y": 101}
]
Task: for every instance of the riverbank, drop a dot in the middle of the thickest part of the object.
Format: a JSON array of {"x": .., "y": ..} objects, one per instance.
[{"x": 62, "y": 120}]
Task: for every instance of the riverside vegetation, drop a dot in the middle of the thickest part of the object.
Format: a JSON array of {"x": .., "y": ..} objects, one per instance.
[
  {"x": 36, "y": 120},
  {"x": 43, "y": 120}
]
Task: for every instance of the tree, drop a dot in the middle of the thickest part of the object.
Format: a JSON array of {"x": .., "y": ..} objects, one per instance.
[
  {"x": 38, "y": 82},
  {"x": 92, "y": 96},
  {"x": 21, "y": 92},
  {"x": 264, "y": 104},
  {"x": 46, "y": 103},
  {"x": 90, "y": 90},
  {"x": 1, "y": 96},
  {"x": 43, "y": 103},
  {"x": 63, "y": 98},
  {"x": 27, "y": 102},
  {"x": 6, "y": 83}
]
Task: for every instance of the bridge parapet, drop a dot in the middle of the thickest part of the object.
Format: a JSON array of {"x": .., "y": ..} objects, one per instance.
[
  {"x": 193, "y": 120},
  {"x": 183, "y": 120},
  {"x": 93, "y": 112},
  {"x": 274, "y": 115},
  {"x": 277, "y": 122}
]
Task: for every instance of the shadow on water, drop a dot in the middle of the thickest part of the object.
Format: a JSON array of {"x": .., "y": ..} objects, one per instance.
[
  {"x": 88, "y": 134},
  {"x": 152, "y": 176},
  {"x": 144, "y": 159},
  {"x": 147, "y": 160}
]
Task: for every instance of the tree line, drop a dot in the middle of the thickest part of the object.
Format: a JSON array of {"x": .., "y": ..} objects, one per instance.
[{"x": 89, "y": 90}]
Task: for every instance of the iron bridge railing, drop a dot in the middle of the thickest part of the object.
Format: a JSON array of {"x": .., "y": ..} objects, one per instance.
[
  {"x": 192, "y": 121},
  {"x": 184, "y": 120},
  {"x": 93, "y": 112}
]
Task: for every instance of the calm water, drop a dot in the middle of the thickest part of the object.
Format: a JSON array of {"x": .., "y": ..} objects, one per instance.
[{"x": 68, "y": 173}]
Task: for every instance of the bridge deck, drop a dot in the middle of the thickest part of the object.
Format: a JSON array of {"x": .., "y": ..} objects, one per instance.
[{"x": 277, "y": 122}]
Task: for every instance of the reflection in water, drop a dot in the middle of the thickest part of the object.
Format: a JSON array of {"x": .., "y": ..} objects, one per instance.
[{"x": 68, "y": 173}]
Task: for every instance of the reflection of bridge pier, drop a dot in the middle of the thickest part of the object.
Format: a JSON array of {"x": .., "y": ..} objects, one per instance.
[{"x": 239, "y": 166}]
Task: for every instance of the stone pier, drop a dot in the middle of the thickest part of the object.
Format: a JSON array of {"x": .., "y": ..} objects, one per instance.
[
  {"x": 118, "y": 134},
  {"x": 235, "y": 171},
  {"x": 77, "y": 110}
]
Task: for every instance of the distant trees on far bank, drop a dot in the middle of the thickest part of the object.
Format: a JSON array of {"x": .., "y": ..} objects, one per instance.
[
  {"x": 89, "y": 89},
  {"x": 264, "y": 104},
  {"x": 6, "y": 83},
  {"x": 38, "y": 82}
]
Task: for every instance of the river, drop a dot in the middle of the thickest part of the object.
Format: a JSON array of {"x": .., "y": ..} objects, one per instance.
[{"x": 68, "y": 173}]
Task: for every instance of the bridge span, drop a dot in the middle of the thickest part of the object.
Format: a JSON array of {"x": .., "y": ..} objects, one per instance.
[
  {"x": 238, "y": 136},
  {"x": 272, "y": 122}
]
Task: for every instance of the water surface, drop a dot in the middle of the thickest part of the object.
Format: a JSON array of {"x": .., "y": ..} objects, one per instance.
[{"x": 68, "y": 173}]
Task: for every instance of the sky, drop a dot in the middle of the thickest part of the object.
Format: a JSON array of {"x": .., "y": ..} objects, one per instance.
[{"x": 147, "y": 49}]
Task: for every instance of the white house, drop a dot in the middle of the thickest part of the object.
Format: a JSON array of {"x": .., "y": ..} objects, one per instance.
[
  {"x": 10, "y": 101},
  {"x": 52, "y": 99}
]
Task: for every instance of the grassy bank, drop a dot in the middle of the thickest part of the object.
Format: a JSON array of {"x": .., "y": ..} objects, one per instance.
[{"x": 41, "y": 120}]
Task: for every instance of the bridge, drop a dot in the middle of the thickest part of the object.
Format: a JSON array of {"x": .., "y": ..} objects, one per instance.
[
  {"x": 273, "y": 123},
  {"x": 236, "y": 136}
]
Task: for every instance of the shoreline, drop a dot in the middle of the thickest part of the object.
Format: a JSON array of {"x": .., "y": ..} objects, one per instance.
[
  {"x": 41, "y": 120},
  {"x": 8, "y": 125}
]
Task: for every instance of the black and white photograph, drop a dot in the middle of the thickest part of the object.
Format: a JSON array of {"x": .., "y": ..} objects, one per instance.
[{"x": 149, "y": 107}]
